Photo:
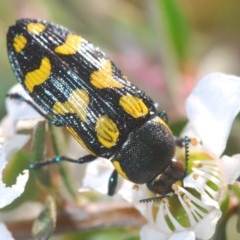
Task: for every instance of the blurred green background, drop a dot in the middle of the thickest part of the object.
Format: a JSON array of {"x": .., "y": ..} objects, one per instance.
[{"x": 163, "y": 46}]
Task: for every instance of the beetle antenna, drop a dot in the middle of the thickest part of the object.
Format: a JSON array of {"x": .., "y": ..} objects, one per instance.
[
  {"x": 154, "y": 199},
  {"x": 186, "y": 146}
]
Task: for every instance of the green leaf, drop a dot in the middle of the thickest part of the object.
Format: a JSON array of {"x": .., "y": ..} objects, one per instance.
[
  {"x": 44, "y": 225},
  {"x": 236, "y": 189},
  {"x": 175, "y": 28},
  {"x": 238, "y": 223},
  {"x": 38, "y": 152},
  {"x": 57, "y": 140},
  {"x": 38, "y": 144},
  {"x": 15, "y": 166}
]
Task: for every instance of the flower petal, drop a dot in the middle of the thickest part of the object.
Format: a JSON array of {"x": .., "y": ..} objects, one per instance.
[
  {"x": 4, "y": 232},
  {"x": 9, "y": 147},
  {"x": 17, "y": 109},
  {"x": 184, "y": 235},
  {"x": 231, "y": 166},
  {"x": 205, "y": 229},
  {"x": 150, "y": 233},
  {"x": 211, "y": 108},
  {"x": 13, "y": 192}
]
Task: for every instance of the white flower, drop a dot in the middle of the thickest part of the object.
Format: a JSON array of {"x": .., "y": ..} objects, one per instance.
[
  {"x": 10, "y": 143},
  {"x": 8, "y": 149},
  {"x": 193, "y": 211},
  {"x": 8, "y": 194},
  {"x": 212, "y": 107},
  {"x": 195, "y": 208}
]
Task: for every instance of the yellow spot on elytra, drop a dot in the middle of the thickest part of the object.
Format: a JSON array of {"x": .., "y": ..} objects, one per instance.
[
  {"x": 38, "y": 76},
  {"x": 35, "y": 28},
  {"x": 79, "y": 140},
  {"x": 103, "y": 78},
  {"x": 107, "y": 131},
  {"x": 119, "y": 169},
  {"x": 77, "y": 103},
  {"x": 19, "y": 43},
  {"x": 134, "y": 106},
  {"x": 70, "y": 46}
]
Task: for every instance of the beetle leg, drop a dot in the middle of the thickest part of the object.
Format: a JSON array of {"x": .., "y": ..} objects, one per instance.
[
  {"x": 112, "y": 183},
  {"x": 84, "y": 159}
]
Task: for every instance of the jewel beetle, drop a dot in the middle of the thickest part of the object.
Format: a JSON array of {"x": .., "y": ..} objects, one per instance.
[{"x": 81, "y": 89}]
